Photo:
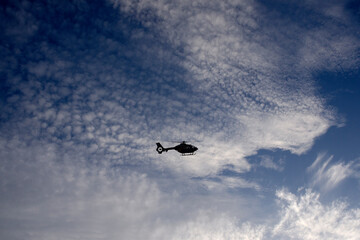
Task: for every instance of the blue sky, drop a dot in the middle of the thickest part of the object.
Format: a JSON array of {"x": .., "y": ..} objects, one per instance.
[{"x": 268, "y": 92}]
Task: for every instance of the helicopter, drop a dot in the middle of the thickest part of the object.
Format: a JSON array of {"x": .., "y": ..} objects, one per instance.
[{"x": 183, "y": 148}]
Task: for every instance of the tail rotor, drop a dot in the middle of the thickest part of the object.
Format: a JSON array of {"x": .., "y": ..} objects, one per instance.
[{"x": 159, "y": 148}]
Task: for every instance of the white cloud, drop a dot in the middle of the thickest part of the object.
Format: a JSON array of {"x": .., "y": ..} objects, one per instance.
[
  {"x": 48, "y": 195},
  {"x": 212, "y": 156},
  {"x": 268, "y": 162},
  {"x": 305, "y": 217},
  {"x": 51, "y": 194},
  {"x": 233, "y": 71},
  {"x": 80, "y": 132},
  {"x": 328, "y": 175},
  {"x": 317, "y": 161},
  {"x": 217, "y": 79},
  {"x": 224, "y": 182},
  {"x": 52, "y": 197},
  {"x": 218, "y": 227},
  {"x": 324, "y": 49},
  {"x": 283, "y": 130}
]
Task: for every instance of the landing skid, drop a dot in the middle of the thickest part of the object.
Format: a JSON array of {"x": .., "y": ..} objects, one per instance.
[{"x": 187, "y": 154}]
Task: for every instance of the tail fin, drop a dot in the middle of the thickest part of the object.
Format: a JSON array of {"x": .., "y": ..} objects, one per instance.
[{"x": 159, "y": 148}]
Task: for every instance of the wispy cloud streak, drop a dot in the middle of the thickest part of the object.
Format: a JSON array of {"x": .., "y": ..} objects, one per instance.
[{"x": 328, "y": 175}]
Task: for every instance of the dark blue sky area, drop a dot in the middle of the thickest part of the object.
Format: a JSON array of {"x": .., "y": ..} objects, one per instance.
[{"x": 342, "y": 91}]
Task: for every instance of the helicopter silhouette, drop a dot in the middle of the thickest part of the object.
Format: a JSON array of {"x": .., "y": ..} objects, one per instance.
[{"x": 183, "y": 148}]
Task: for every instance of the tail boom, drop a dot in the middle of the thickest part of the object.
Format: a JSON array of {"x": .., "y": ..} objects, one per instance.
[{"x": 161, "y": 149}]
